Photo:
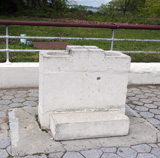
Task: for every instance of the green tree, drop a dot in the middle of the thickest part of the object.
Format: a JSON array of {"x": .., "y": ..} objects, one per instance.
[{"x": 152, "y": 7}]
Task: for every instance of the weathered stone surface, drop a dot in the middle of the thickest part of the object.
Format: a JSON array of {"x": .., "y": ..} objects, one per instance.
[
  {"x": 92, "y": 153},
  {"x": 36, "y": 156},
  {"x": 20, "y": 95},
  {"x": 141, "y": 108},
  {"x": 155, "y": 111},
  {"x": 24, "y": 128},
  {"x": 109, "y": 150},
  {"x": 4, "y": 126},
  {"x": 32, "y": 98},
  {"x": 141, "y": 132},
  {"x": 3, "y": 134},
  {"x": 141, "y": 96},
  {"x": 5, "y": 102},
  {"x": 130, "y": 94},
  {"x": 93, "y": 125},
  {"x": 110, "y": 155},
  {"x": 133, "y": 98},
  {"x": 126, "y": 152},
  {"x": 146, "y": 90},
  {"x": 146, "y": 114},
  {"x": 153, "y": 145},
  {"x": 30, "y": 103},
  {"x": 2, "y": 114},
  {"x": 146, "y": 101},
  {"x": 156, "y": 152},
  {"x": 7, "y": 97},
  {"x": 15, "y": 105},
  {"x": 145, "y": 155},
  {"x": 142, "y": 148},
  {"x": 33, "y": 94},
  {"x": 18, "y": 100},
  {"x": 4, "y": 143},
  {"x": 3, "y": 154},
  {"x": 153, "y": 121},
  {"x": 152, "y": 106},
  {"x": 150, "y": 94},
  {"x": 156, "y": 103},
  {"x": 137, "y": 103},
  {"x": 157, "y": 117},
  {"x": 56, "y": 155},
  {"x": 72, "y": 155}
]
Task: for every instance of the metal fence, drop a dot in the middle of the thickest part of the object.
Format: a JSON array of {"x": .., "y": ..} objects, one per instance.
[{"x": 110, "y": 26}]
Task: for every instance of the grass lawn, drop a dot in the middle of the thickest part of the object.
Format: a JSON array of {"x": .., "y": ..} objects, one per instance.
[{"x": 82, "y": 32}]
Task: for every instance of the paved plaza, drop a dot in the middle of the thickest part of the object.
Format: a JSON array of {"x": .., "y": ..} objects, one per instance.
[{"x": 144, "y": 100}]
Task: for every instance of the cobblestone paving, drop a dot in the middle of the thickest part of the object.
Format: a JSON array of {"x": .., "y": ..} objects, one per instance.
[{"x": 145, "y": 100}]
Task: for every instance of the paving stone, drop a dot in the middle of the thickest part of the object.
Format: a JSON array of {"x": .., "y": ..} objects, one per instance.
[
  {"x": 132, "y": 106},
  {"x": 145, "y": 155},
  {"x": 142, "y": 148},
  {"x": 110, "y": 155},
  {"x": 36, "y": 156},
  {"x": 158, "y": 92},
  {"x": 22, "y": 91},
  {"x": 3, "y": 134},
  {"x": 137, "y": 92},
  {"x": 139, "y": 103},
  {"x": 10, "y": 93},
  {"x": 109, "y": 150},
  {"x": 126, "y": 152},
  {"x": 7, "y": 97},
  {"x": 154, "y": 99},
  {"x": 15, "y": 105},
  {"x": 156, "y": 103},
  {"x": 146, "y": 114},
  {"x": 33, "y": 94},
  {"x": 134, "y": 89},
  {"x": 146, "y": 101},
  {"x": 33, "y": 90},
  {"x": 32, "y": 98},
  {"x": 4, "y": 143},
  {"x": 18, "y": 100},
  {"x": 92, "y": 153},
  {"x": 30, "y": 103},
  {"x": 141, "y": 108},
  {"x": 153, "y": 121},
  {"x": 4, "y": 126},
  {"x": 146, "y": 90},
  {"x": 156, "y": 152},
  {"x": 3, "y": 154},
  {"x": 141, "y": 96},
  {"x": 20, "y": 95},
  {"x": 157, "y": 126},
  {"x": 2, "y": 114},
  {"x": 5, "y": 102},
  {"x": 150, "y": 94},
  {"x": 151, "y": 106},
  {"x": 133, "y": 98},
  {"x": 131, "y": 94},
  {"x": 3, "y": 107},
  {"x": 155, "y": 111},
  {"x": 56, "y": 155},
  {"x": 153, "y": 145},
  {"x": 73, "y": 155},
  {"x": 157, "y": 117}
]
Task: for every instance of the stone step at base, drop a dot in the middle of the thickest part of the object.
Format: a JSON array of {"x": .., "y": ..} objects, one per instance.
[{"x": 80, "y": 125}]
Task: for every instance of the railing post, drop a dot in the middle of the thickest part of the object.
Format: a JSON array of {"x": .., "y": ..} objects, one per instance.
[
  {"x": 7, "y": 45},
  {"x": 112, "y": 39}
]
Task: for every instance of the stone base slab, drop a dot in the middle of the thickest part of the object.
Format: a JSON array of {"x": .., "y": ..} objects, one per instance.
[
  {"x": 27, "y": 138},
  {"x": 81, "y": 125}
]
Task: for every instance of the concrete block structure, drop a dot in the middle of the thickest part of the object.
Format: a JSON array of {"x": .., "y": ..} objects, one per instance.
[{"x": 83, "y": 89}]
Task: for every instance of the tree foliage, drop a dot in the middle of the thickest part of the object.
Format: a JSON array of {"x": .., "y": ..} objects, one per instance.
[{"x": 13, "y": 6}]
